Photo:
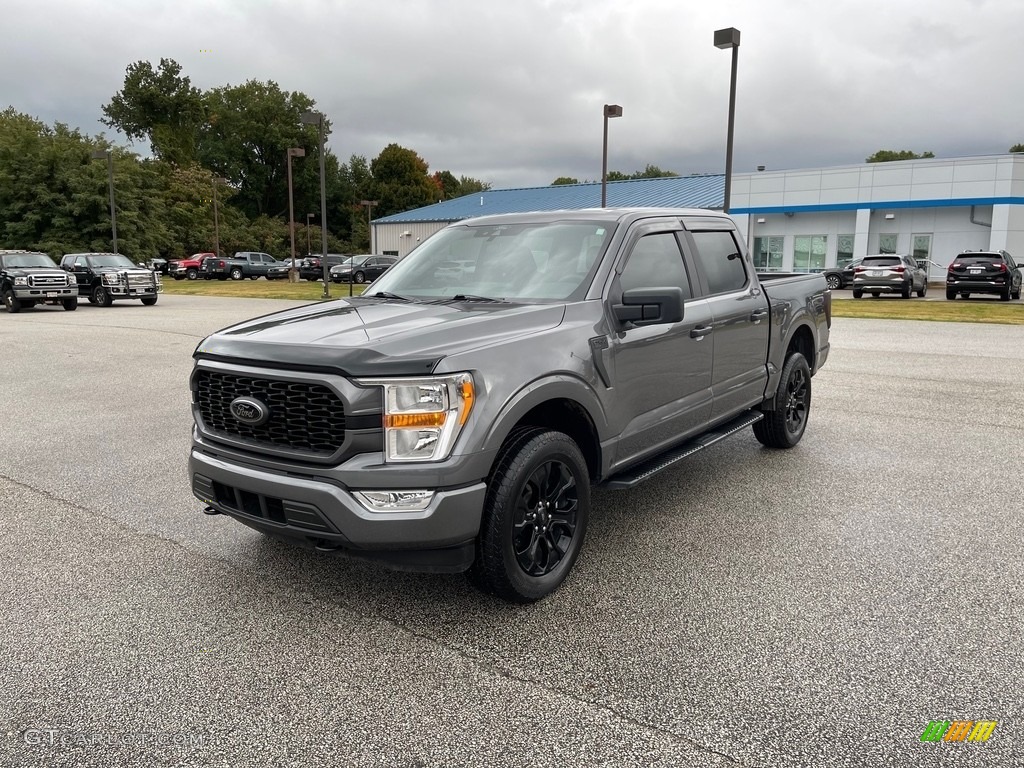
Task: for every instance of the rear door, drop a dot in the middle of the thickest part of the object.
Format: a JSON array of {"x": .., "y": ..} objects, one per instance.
[{"x": 739, "y": 308}]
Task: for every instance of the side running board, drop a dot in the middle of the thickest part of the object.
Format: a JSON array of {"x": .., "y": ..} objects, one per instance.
[{"x": 633, "y": 476}]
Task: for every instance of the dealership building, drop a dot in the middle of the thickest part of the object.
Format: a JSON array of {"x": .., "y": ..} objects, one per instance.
[{"x": 794, "y": 220}]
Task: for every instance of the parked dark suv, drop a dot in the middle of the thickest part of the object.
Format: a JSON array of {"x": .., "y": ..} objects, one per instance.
[
  {"x": 841, "y": 277},
  {"x": 311, "y": 268},
  {"x": 983, "y": 272},
  {"x": 889, "y": 273}
]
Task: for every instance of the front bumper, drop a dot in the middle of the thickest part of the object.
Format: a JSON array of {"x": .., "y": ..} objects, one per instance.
[
  {"x": 45, "y": 293},
  {"x": 322, "y": 514},
  {"x": 133, "y": 291}
]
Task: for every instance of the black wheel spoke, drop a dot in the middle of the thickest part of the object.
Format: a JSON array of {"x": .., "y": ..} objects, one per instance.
[{"x": 545, "y": 518}]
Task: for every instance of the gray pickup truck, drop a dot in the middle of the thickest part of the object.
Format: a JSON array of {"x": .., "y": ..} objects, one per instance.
[
  {"x": 456, "y": 415},
  {"x": 245, "y": 264}
]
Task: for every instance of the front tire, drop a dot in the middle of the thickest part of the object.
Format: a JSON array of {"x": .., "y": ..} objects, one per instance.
[
  {"x": 101, "y": 296},
  {"x": 192, "y": 273},
  {"x": 12, "y": 302},
  {"x": 783, "y": 426},
  {"x": 359, "y": 277},
  {"x": 535, "y": 516},
  {"x": 70, "y": 304},
  {"x": 149, "y": 301}
]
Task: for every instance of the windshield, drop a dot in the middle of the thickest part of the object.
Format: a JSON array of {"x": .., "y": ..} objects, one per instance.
[
  {"x": 12, "y": 260},
  {"x": 550, "y": 261},
  {"x": 351, "y": 261},
  {"x": 110, "y": 260}
]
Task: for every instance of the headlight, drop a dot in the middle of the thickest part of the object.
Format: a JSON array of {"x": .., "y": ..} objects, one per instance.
[
  {"x": 21, "y": 281},
  {"x": 72, "y": 280},
  {"x": 423, "y": 417},
  {"x": 111, "y": 278}
]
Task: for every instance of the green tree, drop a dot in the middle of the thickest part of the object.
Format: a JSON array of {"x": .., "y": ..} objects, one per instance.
[
  {"x": 1017, "y": 148},
  {"x": 400, "y": 181},
  {"x": 564, "y": 180},
  {"x": 159, "y": 105},
  {"x": 888, "y": 155}
]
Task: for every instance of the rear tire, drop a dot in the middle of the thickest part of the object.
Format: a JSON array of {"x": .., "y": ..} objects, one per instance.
[
  {"x": 857, "y": 293},
  {"x": 923, "y": 291},
  {"x": 236, "y": 273},
  {"x": 834, "y": 282},
  {"x": 906, "y": 290},
  {"x": 966, "y": 295},
  {"x": 783, "y": 426},
  {"x": 535, "y": 516},
  {"x": 1005, "y": 295},
  {"x": 12, "y": 302},
  {"x": 70, "y": 304},
  {"x": 950, "y": 295},
  {"x": 1015, "y": 295}
]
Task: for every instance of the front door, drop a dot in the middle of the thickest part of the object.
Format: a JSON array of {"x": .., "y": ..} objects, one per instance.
[{"x": 661, "y": 374}]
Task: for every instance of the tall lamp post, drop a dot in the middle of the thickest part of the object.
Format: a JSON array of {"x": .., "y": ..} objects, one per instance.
[
  {"x": 293, "y": 275},
  {"x": 106, "y": 154},
  {"x": 729, "y": 38},
  {"x": 308, "y": 217},
  {"x": 369, "y": 217},
  {"x": 216, "y": 181},
  {"x": 317, "y": 119},
  {"x": 610, "y": 110}
]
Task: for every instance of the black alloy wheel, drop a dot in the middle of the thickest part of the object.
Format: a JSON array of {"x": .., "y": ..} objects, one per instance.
[
  {"x": 535, "y": 516},
  {"x": 12, "y": 302},
  {"x": 101, "y": 296},
  {"x": 784, "y": 425}
]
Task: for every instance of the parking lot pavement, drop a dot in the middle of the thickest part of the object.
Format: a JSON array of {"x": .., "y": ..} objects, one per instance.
[{"x": 816, "y": 607}]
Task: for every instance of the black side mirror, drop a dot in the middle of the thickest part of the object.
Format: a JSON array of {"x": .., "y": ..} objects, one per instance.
[{"x": 650, "y": 306}]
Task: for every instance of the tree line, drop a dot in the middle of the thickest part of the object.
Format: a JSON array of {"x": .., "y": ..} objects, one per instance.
[{"x": 230, "y": 142}]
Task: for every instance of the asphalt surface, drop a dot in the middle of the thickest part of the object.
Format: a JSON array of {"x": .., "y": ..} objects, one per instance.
[{"x": 813, "y": 607}]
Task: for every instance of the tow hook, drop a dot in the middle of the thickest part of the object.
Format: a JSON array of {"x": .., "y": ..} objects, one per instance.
[{"x": 211, "y": 511}]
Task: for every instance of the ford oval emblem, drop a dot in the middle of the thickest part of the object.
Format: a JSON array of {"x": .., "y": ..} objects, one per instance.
[{"x": 249, "y": 411}]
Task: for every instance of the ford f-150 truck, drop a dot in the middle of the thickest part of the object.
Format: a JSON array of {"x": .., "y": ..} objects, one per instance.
[{"x": 456, "y": 415}]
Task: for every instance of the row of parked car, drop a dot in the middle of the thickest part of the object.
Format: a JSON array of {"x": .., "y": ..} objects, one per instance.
[
  {"x": 28, "y": 278},
  {"x": 971, "y": 272},
  {"x": 252, "y": 265}
]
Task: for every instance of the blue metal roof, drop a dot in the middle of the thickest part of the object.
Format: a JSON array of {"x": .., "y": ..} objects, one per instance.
[{"x": 703, "y": 191}]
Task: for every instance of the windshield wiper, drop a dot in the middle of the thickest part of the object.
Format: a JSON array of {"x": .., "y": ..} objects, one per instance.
[
  {"x": 472, "y": 297},
  {"x": 386, "y": 295}
]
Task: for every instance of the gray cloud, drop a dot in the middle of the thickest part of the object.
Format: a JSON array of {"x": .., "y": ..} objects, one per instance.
[{"x": 511, "y": 93}]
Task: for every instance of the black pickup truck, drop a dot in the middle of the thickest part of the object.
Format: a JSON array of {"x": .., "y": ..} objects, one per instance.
[
  {"x": 245, "y": 264},
  {"x": 456, "y": 415},
  {"x": 28, "y": 278}
]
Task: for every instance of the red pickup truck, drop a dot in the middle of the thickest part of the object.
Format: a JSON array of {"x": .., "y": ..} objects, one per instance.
[{"x": 188, "y": 268}]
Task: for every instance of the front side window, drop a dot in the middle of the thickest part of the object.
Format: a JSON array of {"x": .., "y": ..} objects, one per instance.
[
  {"x": 656, "y": 262},
  {"x": 721, "y": 261},
  {"x": 809, "y": 253}
]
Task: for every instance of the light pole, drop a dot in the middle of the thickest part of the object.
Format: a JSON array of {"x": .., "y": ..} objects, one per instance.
[
  {"x": 308, "y": 217},
  {"x": 317, "y": 119},
  {"x": 216, "y": 220},
  {"x": 729, "y": 38},
  {"x": 369, "y": 217},
  {"x": 610, "y": 110},
  {"x": 293, "y": 276},
  {"x": 106, "y": 154}
]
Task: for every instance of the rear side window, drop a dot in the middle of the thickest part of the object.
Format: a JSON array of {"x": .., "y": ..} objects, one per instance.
[{"x": 720, "y": 258}]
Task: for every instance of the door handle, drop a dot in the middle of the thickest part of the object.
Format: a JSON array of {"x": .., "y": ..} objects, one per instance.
[
  {"x": 758, "y": 315},
  {"x": 700, "y": 332}
]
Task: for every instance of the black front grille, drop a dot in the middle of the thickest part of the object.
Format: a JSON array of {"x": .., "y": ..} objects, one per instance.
[{"x": 304, "y": 417}]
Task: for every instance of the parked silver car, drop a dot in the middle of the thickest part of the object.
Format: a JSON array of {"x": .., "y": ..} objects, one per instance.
[{"x": 889, "y": 273}]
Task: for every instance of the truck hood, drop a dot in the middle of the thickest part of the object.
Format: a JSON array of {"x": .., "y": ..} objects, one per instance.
[{"x": 371, "y": 337}]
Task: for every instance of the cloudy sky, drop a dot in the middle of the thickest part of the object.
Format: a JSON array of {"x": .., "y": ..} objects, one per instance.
[{"x": 511, "y": 91}]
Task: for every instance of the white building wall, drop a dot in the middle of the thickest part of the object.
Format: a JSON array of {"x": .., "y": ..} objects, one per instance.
[{"x": 398, "y": 239}]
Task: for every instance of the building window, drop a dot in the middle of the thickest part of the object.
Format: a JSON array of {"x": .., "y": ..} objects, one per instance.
[
  {"x": 768, "y": 254},
  {"x": 844, "y": 250},
  {"x": 809, "y": 253},
  {"x": 922, "y": 251},
  {"x": 887, "y": 243},
  {"x": 390, "y": 253}
]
